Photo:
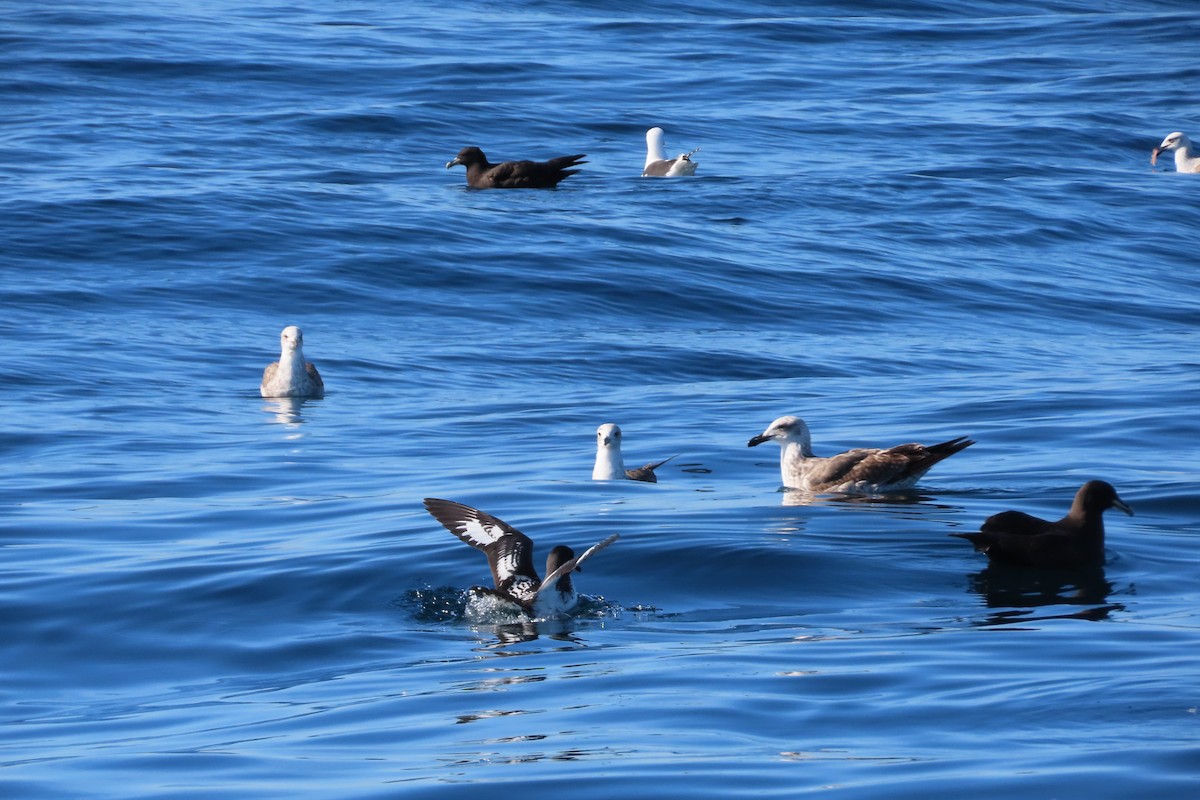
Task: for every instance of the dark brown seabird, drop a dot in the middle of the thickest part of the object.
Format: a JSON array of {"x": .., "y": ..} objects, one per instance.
[
  {"x": 514, "y": 174},
  {"x": 1076, "y": 540}
]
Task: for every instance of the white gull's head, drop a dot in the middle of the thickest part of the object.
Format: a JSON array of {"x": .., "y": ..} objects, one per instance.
[
  {"x": 608, "y": 436},
  {"x": 1174, "y": 141},
  {"x": 291, "y": 339},
  {"x": 1186, "y": 158},
  {"x": 786, "y": 430},
  {"x": 654, "y": 146}
]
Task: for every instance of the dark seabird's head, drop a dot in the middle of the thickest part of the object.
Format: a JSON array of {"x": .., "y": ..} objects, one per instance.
[
  {"x": 1099, "y": 496},
  {"x": 468, "y": 156},
  {"x": 558, "y": 556}
]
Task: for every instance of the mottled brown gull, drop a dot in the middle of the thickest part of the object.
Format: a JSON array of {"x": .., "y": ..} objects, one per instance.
[
  {"x": 291, "y": 375},
  {"x": 860, "y": 471}
]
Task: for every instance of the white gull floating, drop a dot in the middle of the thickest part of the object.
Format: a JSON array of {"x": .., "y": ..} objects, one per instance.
[
  {"x": 610, "y": 465},
  {"x": 291, "y": 375},
  {"x": 658, "y": 165}
]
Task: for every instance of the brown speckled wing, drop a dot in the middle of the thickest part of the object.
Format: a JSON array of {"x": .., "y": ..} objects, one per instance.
[{"x": 311, "y": 369}]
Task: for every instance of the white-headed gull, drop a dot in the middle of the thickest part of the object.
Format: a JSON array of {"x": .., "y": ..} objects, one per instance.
[
  {"x": 859, "y": 471},
  {"x": 291, "y": 375}
]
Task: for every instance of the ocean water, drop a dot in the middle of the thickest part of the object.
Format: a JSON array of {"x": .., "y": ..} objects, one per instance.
[{"x": 909, "y": 222}]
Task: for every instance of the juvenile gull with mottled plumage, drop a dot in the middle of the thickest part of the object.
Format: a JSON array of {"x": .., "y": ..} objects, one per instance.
[
  {"x": 1076, "y": 540},
  {"x": 514, "y": 174},
  {"x": 658, "y": 165},
  {"x": 510, "y": 556},
  {"x": 860, "y": 471},
  {"x": 291, "y": 375},
  {"x": 610, "y": 465}
]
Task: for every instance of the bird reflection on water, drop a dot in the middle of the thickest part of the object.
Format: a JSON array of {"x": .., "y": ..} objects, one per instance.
[
  {"x": 1019, "y": 589},
  {"x": 286, "y": 410},
  {"x": 803, "y": 497}
]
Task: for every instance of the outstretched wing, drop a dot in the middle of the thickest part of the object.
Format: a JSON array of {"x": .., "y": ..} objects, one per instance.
[
  {"x": 476, "y": 528},
  {"x": 509, "y": 552},
  {"x": 574, "y": 563}
]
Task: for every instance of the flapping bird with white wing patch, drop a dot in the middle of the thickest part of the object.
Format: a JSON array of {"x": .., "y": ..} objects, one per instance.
[{"x": 510, "y": 555}]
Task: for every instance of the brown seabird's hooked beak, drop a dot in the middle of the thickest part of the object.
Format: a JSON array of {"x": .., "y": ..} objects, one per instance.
[
  {"x": 455, "y": 162},
  {"x": 1121, "y": 504}
]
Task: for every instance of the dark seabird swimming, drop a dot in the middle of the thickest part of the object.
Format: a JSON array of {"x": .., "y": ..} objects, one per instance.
[
  {"x": 291, "y": 375},
  {"x": 860, "y": 471},
  {"x": 610, "y": 466},
  {"x": 514, "y": 174},
  {"x": 658, "y": 165},
  {"x": 510, "y": 555},
  {"x": 1076, "y": 540}
]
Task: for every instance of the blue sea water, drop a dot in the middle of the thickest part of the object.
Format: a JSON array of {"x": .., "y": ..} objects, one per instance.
[{"x": 909, "y": 222}]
